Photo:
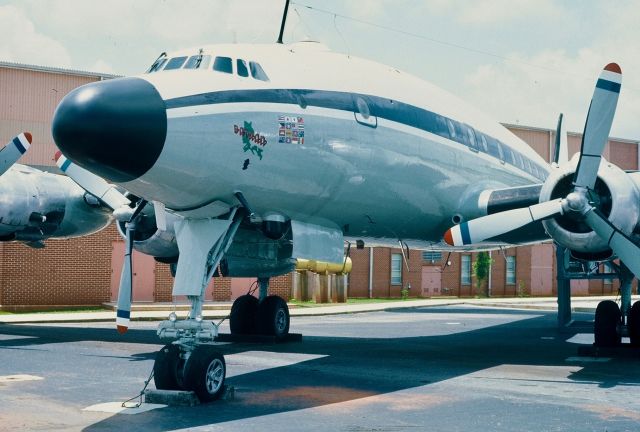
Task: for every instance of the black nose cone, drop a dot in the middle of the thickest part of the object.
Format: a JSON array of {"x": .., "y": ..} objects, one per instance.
[{"x": 115, "y": 128}]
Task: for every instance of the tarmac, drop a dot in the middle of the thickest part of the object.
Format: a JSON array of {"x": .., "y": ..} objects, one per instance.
[{"x": 221, "y": 310}]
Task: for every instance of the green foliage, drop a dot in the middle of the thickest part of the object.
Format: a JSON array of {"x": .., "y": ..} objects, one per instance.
[
  {"x": 481, "y": 268},
  {"x": 404, "y": 293}
]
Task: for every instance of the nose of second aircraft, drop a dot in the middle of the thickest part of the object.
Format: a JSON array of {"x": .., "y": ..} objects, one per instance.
[{"x": 114, "y": 128}]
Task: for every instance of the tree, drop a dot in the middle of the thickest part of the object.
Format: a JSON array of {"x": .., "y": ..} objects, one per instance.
[{"x": 481, "y": 269}]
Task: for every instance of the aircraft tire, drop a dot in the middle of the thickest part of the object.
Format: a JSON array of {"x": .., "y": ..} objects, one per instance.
[
  {"x": 273, "y": 317},
  {"x": 608, "y": 318},
  {"x": 242, "y": 319},
  {"x": 205, "y": 373},
  {"x": 165, "y": 368},
  {"x": 634, "y": 324}
]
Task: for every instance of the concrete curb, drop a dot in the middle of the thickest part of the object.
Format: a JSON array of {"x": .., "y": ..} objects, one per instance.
[{"x": 581, "y": 304}]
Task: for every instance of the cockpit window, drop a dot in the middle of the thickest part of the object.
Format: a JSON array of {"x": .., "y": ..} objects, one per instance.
[
  {"x": 175, "y": 63},
  {"x": 157, "y": 65},
  {"x": 198, "y": 62},
  {"x": 223, "y": 64},
  {"x": 257, "y": 72},
  {"x": 241, "y": 67}
]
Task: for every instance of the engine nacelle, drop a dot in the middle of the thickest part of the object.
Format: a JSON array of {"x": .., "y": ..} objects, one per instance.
[
  {"x": 149, "y": 240},
  {"x": 35, "y": 206},
  {"x": 615, "y": 195}
]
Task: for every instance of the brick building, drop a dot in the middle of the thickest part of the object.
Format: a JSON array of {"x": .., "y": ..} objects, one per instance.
[{"x": 86, "y": 271}]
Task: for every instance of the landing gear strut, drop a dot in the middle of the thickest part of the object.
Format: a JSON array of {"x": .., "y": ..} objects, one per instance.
[{"x": 190, "y": 361}]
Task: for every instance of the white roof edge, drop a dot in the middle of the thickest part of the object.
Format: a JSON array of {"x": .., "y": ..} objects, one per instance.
[
  {"x": 49, "y": 69},
  {"x": 542, "y": 129}
]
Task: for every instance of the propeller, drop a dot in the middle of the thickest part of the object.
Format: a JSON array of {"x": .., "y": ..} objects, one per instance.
[
  {"x": 561, "y": 153},
  {"x": 123, "y": 212},
  {"x": 93, "y": 184},
  {"x": 123, "y": 312},
  {"x": 576, "y": 203},
  {"x": 14, "y": 150}
]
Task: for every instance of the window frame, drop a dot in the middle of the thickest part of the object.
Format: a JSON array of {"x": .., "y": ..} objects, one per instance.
[
  {"x": 184, "y": 60},
  {"x": 396, "y": 259},
  {"x": 510, "y": 260},
  {"x": 465, "y": 274},
  {"x": 245, "y": 67},
  {"x": 228, "y": 62}
]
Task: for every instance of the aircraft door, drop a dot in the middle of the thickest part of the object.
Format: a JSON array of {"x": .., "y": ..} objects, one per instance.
[{"x": 362, "y": 112}]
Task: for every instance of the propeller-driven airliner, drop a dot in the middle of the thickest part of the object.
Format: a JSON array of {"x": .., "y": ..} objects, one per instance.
[{"x": 241, "y": 159}]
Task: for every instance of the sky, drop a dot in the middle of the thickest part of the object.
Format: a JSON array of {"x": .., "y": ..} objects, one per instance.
[{"x": 520, "y": 61}]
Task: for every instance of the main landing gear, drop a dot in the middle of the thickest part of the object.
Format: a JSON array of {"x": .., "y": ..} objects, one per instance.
[
  {"x": 613, "y": 322},
  {"x": 268, "y": 316}
]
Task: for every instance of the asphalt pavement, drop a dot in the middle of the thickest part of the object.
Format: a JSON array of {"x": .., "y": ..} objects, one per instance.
[{"x": 458, "y": 367}]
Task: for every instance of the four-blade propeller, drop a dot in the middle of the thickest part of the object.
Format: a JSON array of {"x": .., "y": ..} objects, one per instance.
[{"x": 576, "y": 204}]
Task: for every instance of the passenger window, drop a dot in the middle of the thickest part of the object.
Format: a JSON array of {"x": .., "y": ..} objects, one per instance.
[
  {"x": 223, "y": 64},
  {"x": 175, "y": 63},
  {"x": 494, "y": 149},
  {"x": 197, "y": 62},
  {"x": 500, "y": 151},
  {"x": 452, "y": 129},
  {"x": 483, "y": 142},
  {"x": 241, "y": 67},
  {"x": 520, "y": 160},
  {"x": 472, "y": 138},
  {"x": 257, "y": 72}
]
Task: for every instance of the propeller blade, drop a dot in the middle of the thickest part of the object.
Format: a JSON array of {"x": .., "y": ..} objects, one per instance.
[
  {"x": 161, "y": 215},
  {"x": 486, "y": 227},
  {"x": 93, "y": 184},
  {"x": 14, "y": 150},
  {"x": 626, "y": 249},
  {"x": 598, "y": 125},
  {"x": 561, "y": 154},
  {"x": 123, "y": 313}
]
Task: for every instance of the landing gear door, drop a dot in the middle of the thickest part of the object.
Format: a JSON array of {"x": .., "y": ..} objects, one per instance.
[{"x": 362, "y": 112}]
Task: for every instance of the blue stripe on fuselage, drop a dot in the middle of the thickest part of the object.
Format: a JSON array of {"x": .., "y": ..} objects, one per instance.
[{"x": 388, "y": 109}]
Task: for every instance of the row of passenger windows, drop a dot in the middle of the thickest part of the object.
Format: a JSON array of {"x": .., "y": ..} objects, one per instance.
[
  {"x": 220, "y": 64},
  {"x": 480, "y": 142}
]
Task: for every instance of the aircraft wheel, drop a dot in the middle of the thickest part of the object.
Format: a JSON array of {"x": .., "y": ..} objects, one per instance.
[
  {"x": 243, "y": 315},
  {"x": 205, "y": 373},
  {"x": 273, "y": 317},
  {"x": 608, "y": 318},
  {"x": 167, "y": 368},
  {"x": 634, "y": 324}
]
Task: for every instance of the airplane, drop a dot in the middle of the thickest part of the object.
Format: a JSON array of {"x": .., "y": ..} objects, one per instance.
[
  {"x": 243, "y": 158},
  {"x": 37, "y": 205}
]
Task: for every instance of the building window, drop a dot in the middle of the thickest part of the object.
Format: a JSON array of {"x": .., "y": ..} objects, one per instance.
[
  {"x": 396, "y": 269},
  {"x": 607, "y": 269},
  {"x": 431, "y": 256},
  {"x": 511, "y": 270},
  {"x": 465, "y": 269}
]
